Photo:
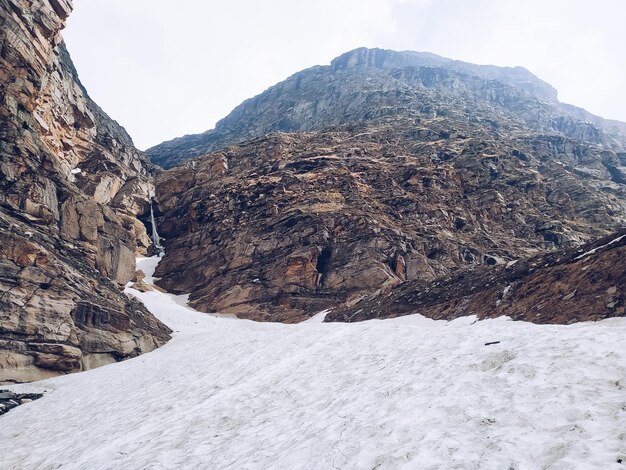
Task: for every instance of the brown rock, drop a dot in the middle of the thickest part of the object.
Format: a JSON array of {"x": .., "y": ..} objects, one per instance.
[
  {"x": 581, "y": 284},
  {"x": 296, "y": 223},
  {"x": 71, "y": 186}
]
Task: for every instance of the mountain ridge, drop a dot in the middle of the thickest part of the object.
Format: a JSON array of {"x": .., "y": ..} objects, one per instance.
[
  {"x": 324, "y": 96},
  {"x": 381, "y": 168},
  {"x": 289, "y": 224}
]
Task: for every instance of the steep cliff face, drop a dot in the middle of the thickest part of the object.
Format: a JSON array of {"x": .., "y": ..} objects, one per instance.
[
  {"x": 290, "y": 224},
  {"x": 400, "y": 166},
  {"x": 71, "y": 186},
  {"x": 367, "y": 85},
  {"x": 583, "y": 284}
]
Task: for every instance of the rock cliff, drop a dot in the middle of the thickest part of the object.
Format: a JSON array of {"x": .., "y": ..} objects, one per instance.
[
  {"x": 382, "y": 168},
  {"x": 287, "y": 225},
  {"x": 366, "y": 85},
  {"x": 71, "y": 187},
  {"x": 583, "y": 284}
]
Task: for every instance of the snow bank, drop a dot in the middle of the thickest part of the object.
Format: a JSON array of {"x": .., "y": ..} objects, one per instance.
[
  {"x": 590, "y": 252},
  {"x": 407, "y": 393}
]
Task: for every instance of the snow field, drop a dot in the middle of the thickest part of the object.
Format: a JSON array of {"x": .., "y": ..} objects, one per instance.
[{"x": 407, "y": 393}]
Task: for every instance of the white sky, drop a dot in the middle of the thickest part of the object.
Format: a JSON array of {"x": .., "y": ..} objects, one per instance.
[{"x": 164, "y": 69}]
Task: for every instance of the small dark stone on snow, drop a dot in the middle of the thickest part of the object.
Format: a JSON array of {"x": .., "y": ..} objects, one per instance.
[{"x": 10, "y": 400}]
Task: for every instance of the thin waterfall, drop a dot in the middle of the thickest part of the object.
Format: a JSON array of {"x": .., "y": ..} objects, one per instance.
[{"x": 156, "y": 240}]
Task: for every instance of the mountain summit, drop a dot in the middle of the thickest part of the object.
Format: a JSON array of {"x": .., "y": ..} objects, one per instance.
[{"x": 366, "y": 85}]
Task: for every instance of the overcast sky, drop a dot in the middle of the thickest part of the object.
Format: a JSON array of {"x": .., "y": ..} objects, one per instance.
[{"x": 164, "y": 69}]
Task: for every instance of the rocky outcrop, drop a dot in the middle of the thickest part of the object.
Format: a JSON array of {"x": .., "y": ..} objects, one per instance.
[
  {"x": 10, "y": 400},
  {"x": 583, "y": 284},
  {"x": 397, "y": 166},
  {"x": 71, "y": 187},
  {"x": 368, "y": 85},
  {"x": 290, "y": 224}
]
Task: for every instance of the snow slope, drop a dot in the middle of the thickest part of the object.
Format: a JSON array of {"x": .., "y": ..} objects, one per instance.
[{"x": 406, "y": 393}]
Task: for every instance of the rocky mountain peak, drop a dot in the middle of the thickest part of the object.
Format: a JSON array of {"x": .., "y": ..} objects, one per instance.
[
  {"x": 367, "y": 85},
  {"x": 385, "y": 58},
  {"x": 380, "y": 169},
  {"x": 388, "y": 59}
]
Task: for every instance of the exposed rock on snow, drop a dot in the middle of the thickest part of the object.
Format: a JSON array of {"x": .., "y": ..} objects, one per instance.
[{"x": 9, "y": 400}]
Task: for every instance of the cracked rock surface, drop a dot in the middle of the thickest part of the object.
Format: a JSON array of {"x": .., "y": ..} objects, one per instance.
[
  {"x": 71, "y": 187},
  {"x": 287, "y": 225}
]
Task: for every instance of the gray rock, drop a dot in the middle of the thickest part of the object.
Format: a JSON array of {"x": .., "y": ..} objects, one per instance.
[{"x": 367, "y": 85}]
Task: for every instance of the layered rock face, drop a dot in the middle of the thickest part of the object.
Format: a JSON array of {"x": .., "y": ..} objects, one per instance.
[
  {"x": 583, "y": 284},
  {"x": 290, "y": 224},
  {"x": 366, "y": 85},
  {"x": 416, "y": 167},
  {"x": 71, "y": 187}
]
